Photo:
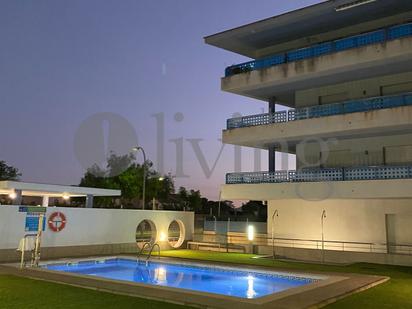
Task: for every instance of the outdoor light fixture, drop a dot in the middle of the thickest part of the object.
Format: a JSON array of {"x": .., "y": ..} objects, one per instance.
[
  {"x": 66, "y": 197},
  {"x": 12, "y": 195},
  {"x": 162, "y": 236},
  {"x": 250, "y": 232},
  {"x": 352, "y": 5},
  {"x": 161, "y": 178}
]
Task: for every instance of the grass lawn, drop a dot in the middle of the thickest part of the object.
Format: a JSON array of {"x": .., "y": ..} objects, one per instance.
[{"x": 24, "y": 293}]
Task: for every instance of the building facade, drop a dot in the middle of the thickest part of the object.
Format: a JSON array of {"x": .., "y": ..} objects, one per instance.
[{"x": 344, "y": 71}]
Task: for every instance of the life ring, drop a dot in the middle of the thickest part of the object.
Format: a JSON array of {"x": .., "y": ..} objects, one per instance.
[{"x": 57, "y": 221}]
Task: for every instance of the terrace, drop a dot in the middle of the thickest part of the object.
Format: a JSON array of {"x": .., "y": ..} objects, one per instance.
[{"x": 393, "y": 294}]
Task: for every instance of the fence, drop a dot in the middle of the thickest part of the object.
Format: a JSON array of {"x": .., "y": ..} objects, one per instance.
[
  {"x": 319, "y": 175},
  {"x": 353, "y": 106},
  {"x": 316, "y": 244},
  {"x": 378, "y": 36}
]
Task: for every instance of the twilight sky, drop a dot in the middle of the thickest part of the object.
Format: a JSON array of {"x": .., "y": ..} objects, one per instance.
[{"x": 62, "y": 62}]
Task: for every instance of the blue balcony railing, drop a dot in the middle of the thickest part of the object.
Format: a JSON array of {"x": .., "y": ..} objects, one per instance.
[
  {"x": 322, "y": 175},
  {"x": 362, "y": 105},
  {"x": 317, "y": 50}
]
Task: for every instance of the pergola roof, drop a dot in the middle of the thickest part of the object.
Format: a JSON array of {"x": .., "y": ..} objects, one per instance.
[
  {"x": 38, "y": 189},
  {"x": 251, "y": 40}
]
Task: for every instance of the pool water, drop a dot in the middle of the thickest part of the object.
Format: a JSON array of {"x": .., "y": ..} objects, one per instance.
[{"x": 216, "y": 280}]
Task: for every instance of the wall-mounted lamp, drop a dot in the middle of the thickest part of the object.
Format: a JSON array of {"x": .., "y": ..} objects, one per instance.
[{"x": 162, "y": 236}]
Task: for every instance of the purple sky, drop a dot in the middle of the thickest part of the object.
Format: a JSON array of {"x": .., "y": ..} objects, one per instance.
[{"x": 64, "y": 61}]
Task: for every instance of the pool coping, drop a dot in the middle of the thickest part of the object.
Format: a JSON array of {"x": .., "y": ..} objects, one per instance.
[{"x": 331, "y": 287}]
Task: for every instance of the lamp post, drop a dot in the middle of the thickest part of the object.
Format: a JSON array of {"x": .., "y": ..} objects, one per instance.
[
  {"x": 136, "y": 149},
  {"x": 220, "y": 198},
  {"x": 323, "y": 238},
  {"x": 275, "y": 214}
]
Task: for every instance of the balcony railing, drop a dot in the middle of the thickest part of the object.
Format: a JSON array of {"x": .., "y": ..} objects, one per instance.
[
  {"x": 322, "y": 175},
  {"x": 325, "y": 48},
  {"x": 347, "y": 107}
]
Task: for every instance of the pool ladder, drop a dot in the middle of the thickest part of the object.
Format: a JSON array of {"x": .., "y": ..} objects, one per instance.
[{"x": 151, "y": 248}]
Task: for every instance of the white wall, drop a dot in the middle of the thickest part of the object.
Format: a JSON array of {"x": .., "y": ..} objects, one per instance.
[
  {"x": 356, "y": 89},
  {"x": 349, "y": 220},
  {"x": 356, "y": 151},
  {"x": 90, "y": 226}
]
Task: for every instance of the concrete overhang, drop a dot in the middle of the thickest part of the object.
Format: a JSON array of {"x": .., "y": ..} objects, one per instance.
[
  {"x": 304, "y": 25},
  {"x": 316, "y": 191},
  {"x": 51, "y": 190},
  {"x": 396, "y": 120},
  {"x": 284, "y": 80}
]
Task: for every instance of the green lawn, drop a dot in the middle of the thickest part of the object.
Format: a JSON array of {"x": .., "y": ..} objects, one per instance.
[{"x": 24, "y": 293}]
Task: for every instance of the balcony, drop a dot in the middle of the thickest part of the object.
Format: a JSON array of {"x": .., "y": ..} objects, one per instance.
[
  {"x": 322, "y": 175},
  {"x": 383, "y": 53},
  {"x": 321, "y": 111},
  {"x": 370, "y": 182},
  {"x": 369, "y": 38},
  {"x": 368, "y": 118}
]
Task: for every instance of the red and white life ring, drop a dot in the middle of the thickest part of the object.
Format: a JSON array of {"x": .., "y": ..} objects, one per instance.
[{"x": 57, "y": 221}]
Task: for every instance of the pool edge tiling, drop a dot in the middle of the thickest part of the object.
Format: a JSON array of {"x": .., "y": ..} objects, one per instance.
[{"x": 330, "y": 288}]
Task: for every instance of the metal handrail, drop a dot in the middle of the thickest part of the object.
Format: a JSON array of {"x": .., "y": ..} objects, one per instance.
[
  {"x": 336, "y": 245},
  {"x": 24, "y": 247},
  {"x": 325, "y": 48},
  {"x": 151, "y": 250},
  {"x": 142, "y": 249},
  {"x": 299, "y": 239}
]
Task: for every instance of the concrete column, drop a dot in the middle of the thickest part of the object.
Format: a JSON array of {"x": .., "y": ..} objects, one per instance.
[
  {"x": 89, "y": 201},
  {"x": 272, "y": 153},
  {"x": 45, "y": 201},
  {"x": 272, "y": 158},
  {"x": 18, "y": 199},
  {"x": 272, "y": 105}
]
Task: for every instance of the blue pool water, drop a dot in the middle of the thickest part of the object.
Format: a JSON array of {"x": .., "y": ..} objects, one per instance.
[{"x": 217, "y": 280}]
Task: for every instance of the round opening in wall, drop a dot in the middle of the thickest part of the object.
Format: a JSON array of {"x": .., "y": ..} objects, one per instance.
[
  {"x": 176, "y": 233},
  {"x": 145, "y": 233}
]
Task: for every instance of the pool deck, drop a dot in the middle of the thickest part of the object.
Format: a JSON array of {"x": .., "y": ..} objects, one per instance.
[{"x": 315, "y": 295}]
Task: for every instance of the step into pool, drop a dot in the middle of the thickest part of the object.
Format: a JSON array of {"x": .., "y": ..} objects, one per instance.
[{"x": 228, "y": 281}]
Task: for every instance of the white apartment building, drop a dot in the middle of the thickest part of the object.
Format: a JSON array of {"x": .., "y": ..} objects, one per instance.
[{"x": 344, "y": 68}]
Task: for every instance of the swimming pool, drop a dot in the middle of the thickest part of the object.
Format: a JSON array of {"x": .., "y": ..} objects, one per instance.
[{"x": 226, "y": 281}]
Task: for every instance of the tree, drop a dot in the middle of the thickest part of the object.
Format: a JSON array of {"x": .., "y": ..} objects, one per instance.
[
  {"x": 8, "y": 172},
  {"x": 255, "y": 210},
  {"x": 122, "y": 173},
  {"x": 195, "y": 201}
]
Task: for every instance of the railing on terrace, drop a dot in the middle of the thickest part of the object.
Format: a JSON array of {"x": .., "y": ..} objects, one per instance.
[
  {"x": 334, "y": 245},
  {"x": 353, "y": 106},
  {"x": 322, "y": 174},
  {"x": 378, "y": 36}
]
